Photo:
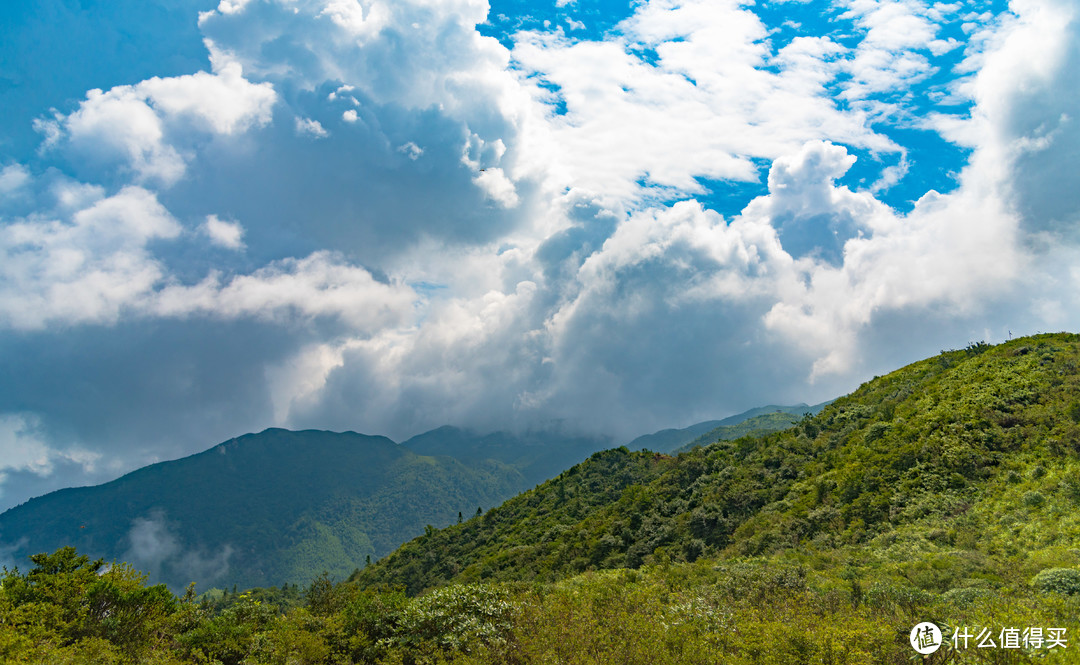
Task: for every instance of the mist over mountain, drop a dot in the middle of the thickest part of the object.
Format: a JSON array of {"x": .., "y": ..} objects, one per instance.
[{"x": 261, "y": 509}]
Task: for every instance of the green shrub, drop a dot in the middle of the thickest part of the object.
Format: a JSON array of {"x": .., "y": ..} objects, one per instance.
[
  {"x": 457, "y": 618},
  {"x": 966, "y": 596},
  {"x": 875, "y": 432},
  {"x": 1058, "y": 580},
  {"x": 1033, "y": 499}
]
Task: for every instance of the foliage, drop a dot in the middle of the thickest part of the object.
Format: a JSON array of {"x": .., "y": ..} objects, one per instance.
[
  {"x": 824, "y": 607},
  {"x": 1058, "y": 580},
  {"x": 755, "y": 426}
]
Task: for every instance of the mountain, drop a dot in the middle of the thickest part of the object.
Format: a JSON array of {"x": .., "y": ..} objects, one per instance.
[
  {"x": 261, "y": 509},
  {"x": 959, "y": 468},
  {"x": 538, "y": 455},
  {"x": 668, "y": 440}
]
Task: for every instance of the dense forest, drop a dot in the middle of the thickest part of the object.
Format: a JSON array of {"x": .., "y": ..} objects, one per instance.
[{"x": 947, "y": 491}]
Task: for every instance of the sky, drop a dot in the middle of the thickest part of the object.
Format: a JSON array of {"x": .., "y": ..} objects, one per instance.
[{"x": 591, "y": 216}]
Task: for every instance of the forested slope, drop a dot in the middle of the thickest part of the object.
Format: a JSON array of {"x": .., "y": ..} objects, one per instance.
[
  {"x": 969, "y": 456},
  {"x": 260, "y": 509}
]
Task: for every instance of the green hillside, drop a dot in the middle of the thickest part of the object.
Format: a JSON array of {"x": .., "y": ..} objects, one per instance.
[
  {"x": 956, "y": 469},
  {"x": 261, "y": 509}
]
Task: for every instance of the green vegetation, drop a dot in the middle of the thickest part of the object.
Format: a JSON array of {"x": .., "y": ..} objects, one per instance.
[
  {"x": 947, "y": 491},
  {"x": 270, "y": 508},
  {"x": 537, "y": 455},
  {"x": 742, "y": 613}
]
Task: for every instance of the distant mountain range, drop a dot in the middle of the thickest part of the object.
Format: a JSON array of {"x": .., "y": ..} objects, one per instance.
[
  {"x": 282, "y": 507},
  {"x": 537, "y": 455},
  {"x": 761, "y": 420},
  {"x": 261, "y": 509}
]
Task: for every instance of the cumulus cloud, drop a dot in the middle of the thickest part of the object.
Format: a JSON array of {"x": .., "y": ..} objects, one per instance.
[
  {"x": 711, "y": 100},
  {"x": 499, "y": 237},
  {"x": 83, "y": 269},
  {"x": 497, "y": 186},
  {"x": 12, "y": 179},
  {"x": 891, "y": 57},
  {"x": 223, "y": 233},
  {"x": 143, "y": 127},
  {"x": 95, "y": 264},
  {"x": 316, "y": 285},
  {"x": 410, "y": 149},
  {"x": 311, "y": 128}
]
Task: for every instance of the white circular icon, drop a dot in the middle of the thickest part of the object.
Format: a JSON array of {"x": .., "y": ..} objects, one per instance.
[{"x": 926, "y": 638}]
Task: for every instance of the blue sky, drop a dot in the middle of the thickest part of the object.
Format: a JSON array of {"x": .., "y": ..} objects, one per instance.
[{"x": 221, "y": 216}]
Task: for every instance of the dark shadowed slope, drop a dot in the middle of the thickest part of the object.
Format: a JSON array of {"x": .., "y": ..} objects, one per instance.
[
  {"x": 261, "y": 509},
  {"x": 538, "y": 455}
]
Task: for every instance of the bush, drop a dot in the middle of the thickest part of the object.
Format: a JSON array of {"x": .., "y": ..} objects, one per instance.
[
  {"x": 875, "y": 432},
  {"x": 1058, "y": 580},
  {"x": 1033, "y": 499},
  {"x": 457, "y": 618}
]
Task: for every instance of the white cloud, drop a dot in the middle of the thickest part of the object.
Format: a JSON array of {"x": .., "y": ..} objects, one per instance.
[
  {"x": 24, "y": 448},
  {"x": 312, "y": 128},
  {"x": 121, "y": 124},
  {"x": 223, "y": 233},
  {"x": 888, "y": 58},
  {"x": 84, "y": 269},
  {"x": 497, "y": 186},
  {"x": 225, "y": 101},
  {"x": 12, "y": 179},
  {"x": 619, "y": 135},
  {"x": 94, "y": 265},
  {"x": 317, "y": 285},
  {"x": 141, "y": 125},
  {"x": 350, "y": 15},
  {"x": 411, "y": 150}
]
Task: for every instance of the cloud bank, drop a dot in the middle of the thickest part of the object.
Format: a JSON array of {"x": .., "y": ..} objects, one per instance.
[{"x": 386, "y": 217}]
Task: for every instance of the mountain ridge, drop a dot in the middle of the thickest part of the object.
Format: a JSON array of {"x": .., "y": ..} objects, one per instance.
[{"x": 671, "y": 439}]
